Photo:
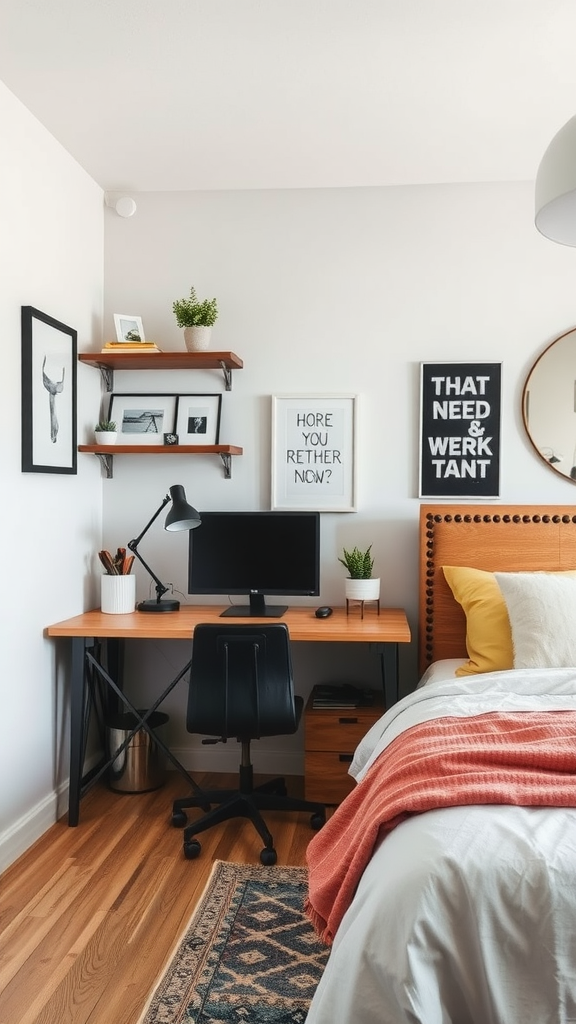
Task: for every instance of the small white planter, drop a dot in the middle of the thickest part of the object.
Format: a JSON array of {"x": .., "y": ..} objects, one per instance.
[
  {"x": 105, "y": 436},
  {"x": 362, "y": 590},
  {"x": 197, "y": 339}
]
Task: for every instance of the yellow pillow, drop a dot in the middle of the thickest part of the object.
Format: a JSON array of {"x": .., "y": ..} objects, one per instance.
[{"x": 488, "y": 633}]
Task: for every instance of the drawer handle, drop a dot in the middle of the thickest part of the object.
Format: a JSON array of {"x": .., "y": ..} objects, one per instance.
[
  {"x": 348, "y": 721},
  {"x": 345, "y": 757}
]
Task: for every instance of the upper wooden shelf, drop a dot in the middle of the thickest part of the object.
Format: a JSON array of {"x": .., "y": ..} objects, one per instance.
[{"x": 108, "y": 362}]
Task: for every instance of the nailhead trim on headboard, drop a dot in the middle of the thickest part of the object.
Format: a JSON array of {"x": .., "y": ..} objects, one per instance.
[{"x": 432, "y": 520}]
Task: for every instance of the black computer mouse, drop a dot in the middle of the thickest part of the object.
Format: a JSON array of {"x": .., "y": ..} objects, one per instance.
[{"x": 323, "y": 613}]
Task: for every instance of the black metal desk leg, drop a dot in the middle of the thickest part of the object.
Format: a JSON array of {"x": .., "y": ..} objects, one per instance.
[
  {"x": 115, "y": 666},
  {"x": 389, "y": 666},
  {"x": 77, "y": 730}
]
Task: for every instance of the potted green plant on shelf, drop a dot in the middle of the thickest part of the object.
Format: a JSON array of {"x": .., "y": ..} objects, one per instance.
[
  {"x": 105, "y": 432},
  {"x": 360, "y": 584},
  {"x": 197, "y": 318}
]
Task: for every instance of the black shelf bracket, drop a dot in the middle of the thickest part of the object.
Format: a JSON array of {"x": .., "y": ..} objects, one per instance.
[
  {"x": 227, "y": 376},
  {"x": 107, "y": 463},
  {"x": 107, "y": 374}
]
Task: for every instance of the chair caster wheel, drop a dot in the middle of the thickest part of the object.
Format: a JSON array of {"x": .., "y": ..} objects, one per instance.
[
  {"x": 179, "y": 819},
  {"x": 192, "y": 849},
  {"x": 318, "y": 820},
  {"x": 268, "y": 856}
]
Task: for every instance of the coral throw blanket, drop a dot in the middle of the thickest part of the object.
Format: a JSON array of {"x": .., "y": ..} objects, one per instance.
[{"x": 526, "y": 758}]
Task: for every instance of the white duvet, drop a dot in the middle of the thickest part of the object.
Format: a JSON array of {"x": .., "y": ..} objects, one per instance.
[{"x": 464, "y": 915}]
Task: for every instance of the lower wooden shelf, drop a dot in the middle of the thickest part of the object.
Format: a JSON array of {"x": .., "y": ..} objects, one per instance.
[
  {"x": 106, "y": 453},
  {"x": 331, "y": 736}
]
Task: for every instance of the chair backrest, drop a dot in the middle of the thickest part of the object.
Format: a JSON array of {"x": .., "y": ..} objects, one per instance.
[{"x": 241, "y": 681}]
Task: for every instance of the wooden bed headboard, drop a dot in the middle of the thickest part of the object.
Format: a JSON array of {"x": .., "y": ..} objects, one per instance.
[{"x": 506, "y": 538}]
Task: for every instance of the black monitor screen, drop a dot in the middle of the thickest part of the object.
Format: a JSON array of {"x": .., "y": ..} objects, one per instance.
[{"x": 255, "y": 553}]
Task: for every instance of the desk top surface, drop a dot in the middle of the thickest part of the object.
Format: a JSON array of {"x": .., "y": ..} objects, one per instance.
[{"x": 390, "y": 626}]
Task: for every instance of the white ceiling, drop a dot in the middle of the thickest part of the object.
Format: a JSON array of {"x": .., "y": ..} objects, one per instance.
[{"x": 210, "y": 94}]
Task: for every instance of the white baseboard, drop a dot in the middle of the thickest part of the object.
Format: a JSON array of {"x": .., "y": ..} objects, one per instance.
[
  {"x": 24, "y": 832},
  {"x": 21, "y": 835}
]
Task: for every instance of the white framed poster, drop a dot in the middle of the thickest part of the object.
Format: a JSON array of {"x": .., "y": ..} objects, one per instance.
[
  {"x": 460, "y": 430},
  {"x": 314, "y": 452}
]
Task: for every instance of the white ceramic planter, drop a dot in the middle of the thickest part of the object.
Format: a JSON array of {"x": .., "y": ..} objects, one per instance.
[
  {"x": 197, "y": 339},
  {"x": 362, "y": 590},
  {"x": 105, "y": 436},
  {"x": 118, "y": 594}
]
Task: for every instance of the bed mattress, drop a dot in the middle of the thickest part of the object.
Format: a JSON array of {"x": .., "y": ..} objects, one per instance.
[{"x": 463, "y": 914}]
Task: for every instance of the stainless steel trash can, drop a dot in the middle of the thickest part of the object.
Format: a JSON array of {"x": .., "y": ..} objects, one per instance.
[{"x": 141, "y": 765}]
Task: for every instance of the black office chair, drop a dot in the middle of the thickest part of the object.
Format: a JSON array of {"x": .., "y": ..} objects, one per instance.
[{"x": 241, "y": 686}]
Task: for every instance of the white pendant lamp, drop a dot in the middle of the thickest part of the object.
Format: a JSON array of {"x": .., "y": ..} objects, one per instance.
[{"x": 556, "y": 187}]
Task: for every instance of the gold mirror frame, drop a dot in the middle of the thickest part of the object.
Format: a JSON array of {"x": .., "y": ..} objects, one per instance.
[{"x": 549, "y": 405}]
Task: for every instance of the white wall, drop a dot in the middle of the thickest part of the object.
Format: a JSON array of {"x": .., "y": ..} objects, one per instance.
[
  {"x": 331, "y": 291},
  {"x": 51, "y": 257}
]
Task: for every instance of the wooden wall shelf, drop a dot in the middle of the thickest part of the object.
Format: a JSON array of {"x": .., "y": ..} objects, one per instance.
[
  {"x": 106, "y": 453},
  {"x": 108, "y": 362}
]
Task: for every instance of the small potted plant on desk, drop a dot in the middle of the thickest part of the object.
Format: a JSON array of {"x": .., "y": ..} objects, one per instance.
[
  {"x": 360, "y": 584},
  {"x": 197, "y": 318},
  {"x": 105, "y": 432}
]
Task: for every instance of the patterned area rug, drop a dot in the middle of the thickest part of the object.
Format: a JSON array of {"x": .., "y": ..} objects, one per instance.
[{"x": 249, "y": 955}]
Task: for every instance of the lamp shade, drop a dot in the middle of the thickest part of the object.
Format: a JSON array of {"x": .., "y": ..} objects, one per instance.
[
  {"x": 181, "y": 516},
  {"x": 556, "y": 187}
]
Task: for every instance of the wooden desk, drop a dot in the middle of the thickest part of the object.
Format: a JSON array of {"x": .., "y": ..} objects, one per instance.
[{"x": 385, "y": 631}]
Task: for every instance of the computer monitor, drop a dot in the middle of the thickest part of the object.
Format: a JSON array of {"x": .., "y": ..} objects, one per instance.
[{"x": 255, "y": 553}]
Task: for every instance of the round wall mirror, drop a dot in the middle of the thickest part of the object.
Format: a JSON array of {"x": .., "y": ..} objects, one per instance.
[{"x": 549, "y": 405}]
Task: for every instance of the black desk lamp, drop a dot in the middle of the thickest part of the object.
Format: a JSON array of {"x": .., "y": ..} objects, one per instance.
[{"x": 180, "y": 517}]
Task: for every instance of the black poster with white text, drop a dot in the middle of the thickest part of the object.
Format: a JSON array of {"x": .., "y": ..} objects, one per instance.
[{"x": 460, "y": 430}]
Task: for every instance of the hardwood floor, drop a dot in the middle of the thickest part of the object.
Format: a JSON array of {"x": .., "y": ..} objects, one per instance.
[{"x": 90, "y": 915}]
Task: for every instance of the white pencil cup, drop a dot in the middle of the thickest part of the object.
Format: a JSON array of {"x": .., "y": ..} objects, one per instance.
[{"x": 118, "y": 594}]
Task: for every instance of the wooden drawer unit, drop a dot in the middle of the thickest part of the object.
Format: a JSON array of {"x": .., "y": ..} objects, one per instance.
[{"x": 331, "y": 736}]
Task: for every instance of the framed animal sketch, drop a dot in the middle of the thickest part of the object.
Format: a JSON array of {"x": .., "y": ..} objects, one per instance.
[{"x": 48, "y": 394}]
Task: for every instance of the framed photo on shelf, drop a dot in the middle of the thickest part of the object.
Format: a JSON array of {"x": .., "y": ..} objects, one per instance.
[
  {"x": 314, "y": 452},
  {"x": 48, "y": 394},
  {"x": 142, "y": 419},
  {"x": 128, "y": 328},
  {"x": 198, "y": 419}
]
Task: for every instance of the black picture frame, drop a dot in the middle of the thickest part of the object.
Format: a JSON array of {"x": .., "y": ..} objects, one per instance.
[
  {"x": 460, "y": 413},
  {"x": 198, "y": 419},
  {"x": 49, "y": 398}
]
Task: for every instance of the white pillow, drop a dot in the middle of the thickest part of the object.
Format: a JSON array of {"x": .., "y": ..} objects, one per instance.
[
  {"x": 542, "y": 612},
  {"x": 443, "y": 669}
]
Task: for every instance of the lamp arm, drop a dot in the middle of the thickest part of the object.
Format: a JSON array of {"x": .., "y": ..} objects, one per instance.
[
  {"x": 133, "y": 547},
  {"x": 160, "y": 588},
  {"x": 134, "y": 543}
]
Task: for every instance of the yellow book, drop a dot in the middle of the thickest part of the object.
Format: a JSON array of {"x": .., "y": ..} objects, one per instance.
[{"x": 128, "y": 346}]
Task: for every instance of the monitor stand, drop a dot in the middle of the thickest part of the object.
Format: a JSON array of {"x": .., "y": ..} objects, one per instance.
[{"x": 256, "y": 609}]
